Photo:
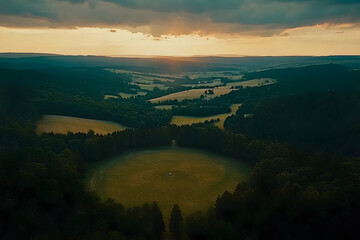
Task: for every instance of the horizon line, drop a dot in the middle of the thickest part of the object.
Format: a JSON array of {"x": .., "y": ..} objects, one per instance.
[{"x": 173, "y": 56}]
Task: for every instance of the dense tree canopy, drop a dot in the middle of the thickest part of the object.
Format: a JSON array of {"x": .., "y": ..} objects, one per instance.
[
  {"x": 292, "y": 193},
  {"x": 327, "y": 121}
]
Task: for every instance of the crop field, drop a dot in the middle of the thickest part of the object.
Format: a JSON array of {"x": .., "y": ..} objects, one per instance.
[
  {"x": 151, "y": 86},
  {"x": 151, "y": 78},
  {"x": 65, "y": 124},
  {"x": 196, "y": 179},
  {"x": 145, "y": 81},
  {"x": 145, "y": 77},
  {"x": 188, "y": 120},
  {"x": 233, "y": 75},
  {"x": 193, "y": 93},
  {"x": 253, "y": 83},
  {"x": 216, "y": 82}
]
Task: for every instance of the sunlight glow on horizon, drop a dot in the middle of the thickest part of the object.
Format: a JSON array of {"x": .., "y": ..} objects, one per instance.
[{"x": 316, "y": 40}]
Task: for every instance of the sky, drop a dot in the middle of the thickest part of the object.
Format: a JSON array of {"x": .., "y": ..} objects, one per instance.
[{"x": 181, "y": 27}]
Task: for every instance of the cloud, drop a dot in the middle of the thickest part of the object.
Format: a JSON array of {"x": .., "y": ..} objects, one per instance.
[
  {"x": 192, "y": 6},
  {"x": 160, "y": 17},
  {"x": 73, "y": 1}
]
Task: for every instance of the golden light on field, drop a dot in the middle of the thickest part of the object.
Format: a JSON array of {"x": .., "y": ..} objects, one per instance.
[
  {"x": 188, "y": 120},
  {"x": 197, "y": 179},
  {"x": 314, "y": 40},
  {"x": 65, "y": 124}
]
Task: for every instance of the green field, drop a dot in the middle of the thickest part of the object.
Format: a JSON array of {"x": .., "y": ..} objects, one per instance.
[
  {"x": 65, "y": 124},
  {"x": 142, "y": 176},
  {"x": 188, "y": 120}
]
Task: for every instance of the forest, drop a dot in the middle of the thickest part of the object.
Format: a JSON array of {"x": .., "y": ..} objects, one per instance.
[
  {"x": 301, "y": 143},
  {"x": 289, "y": 188},
  {"x": 326, "y": 121}
]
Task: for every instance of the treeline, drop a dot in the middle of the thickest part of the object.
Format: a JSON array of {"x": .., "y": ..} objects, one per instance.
[
  {"x": 213, "y": 139},
  {"x": 327, "y": 122},
  {"x": 157, "y": 92},
  {"x": 310, "y": 79},
  {"x": 42, "y": 197},
  {"x": 301, "y": 196},
  {"x": 126, "y": 112},
  {"x": 294, "y": 81},
  {"x": 91, "y": 82},
  {"x": 291, "y": 194},
  {"x": 79, "y": 95},
  {"x": 41, "y": 187},
  {"x": 200, "y": 110}
]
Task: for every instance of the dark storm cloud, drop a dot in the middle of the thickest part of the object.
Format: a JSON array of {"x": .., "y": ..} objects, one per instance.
[
  {"x": 197, "y": 6},
  {"x": 193, "y": 6},
  {"x": 25, "y": 8},
  {"x": 258, "y": 17},
  {"x": 323, "y": 1},
  {"x": 73, "y": 1}
]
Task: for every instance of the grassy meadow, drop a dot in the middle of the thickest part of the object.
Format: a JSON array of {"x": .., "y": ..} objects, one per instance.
[
  {"x": 233, "y": 75},
  {"x": 129, "y": 95},
  {"x": 193, "y": 93},
  {"x": 253, "y": 83},
  {"x": 188, "y": 120},
  {"x": 125, "y": 95},
  {"x": 141, "y": 176},
  {"x": 65, "y": 124},
  {"x": 214, "y": 83},
  {"x": 164, "y": 107},
  {"x": 151, "y": 86},
  {"x": 110, "y": 96}
]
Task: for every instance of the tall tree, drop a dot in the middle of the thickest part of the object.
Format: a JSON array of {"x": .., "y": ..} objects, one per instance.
[
  {"x": 176, "y": 223},
  {"x": 157, "y": 220}
]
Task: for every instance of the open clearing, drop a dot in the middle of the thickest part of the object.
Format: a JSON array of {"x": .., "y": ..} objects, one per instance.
[
  {"x": 125, "y": 95},
  {"x": 140, "y": 176},
  {"x": 129, "y": 95},
  {"x": 233, "y": 75},
  {"x": 110, "y": 96},
  {"x": 151, "y": 86},
  {"x": 65, "y": 124},
  {"x": 164, "y": 107},
  {"x": 193, "y": 93},
  {"x": 214, "y": 83},
  {"x": 218, "y": 91},
  {"x": 188, "y": 120}
]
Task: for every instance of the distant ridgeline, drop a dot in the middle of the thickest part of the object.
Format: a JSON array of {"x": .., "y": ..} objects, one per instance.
[{"x": 168, "y": 64}]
